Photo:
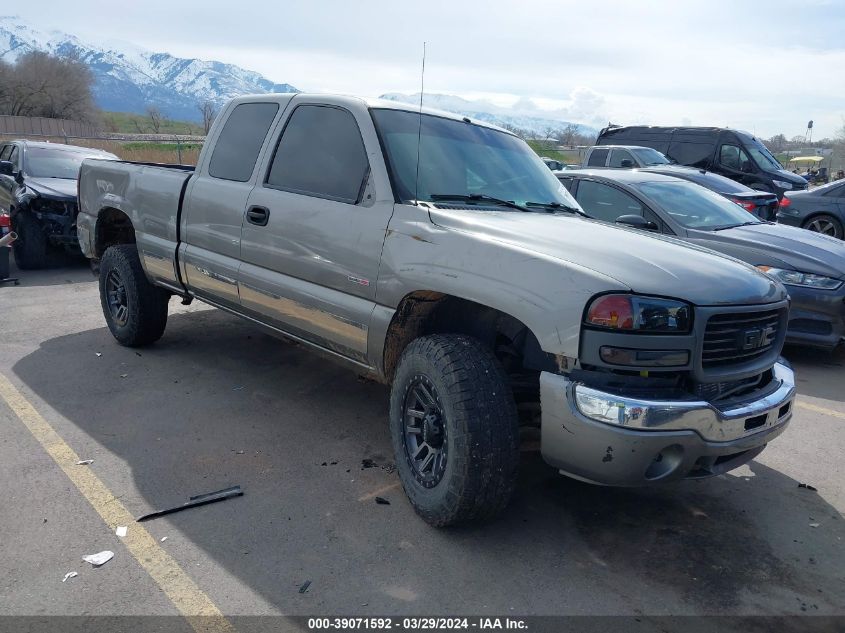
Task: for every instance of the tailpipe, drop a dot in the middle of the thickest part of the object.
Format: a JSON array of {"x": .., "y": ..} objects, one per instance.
[{"x": 8, "y": 239}]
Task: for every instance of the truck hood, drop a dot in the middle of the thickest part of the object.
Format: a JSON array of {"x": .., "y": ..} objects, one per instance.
[
  {"x": 780, "y": 246},
  {"x": 59, "y": 188},
  {"x": 645, "y": 263}
]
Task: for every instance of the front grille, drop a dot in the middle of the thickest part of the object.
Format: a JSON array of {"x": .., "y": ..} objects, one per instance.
[{"x": 739, "y": 337}]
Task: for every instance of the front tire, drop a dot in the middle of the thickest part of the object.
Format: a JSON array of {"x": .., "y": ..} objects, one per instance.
[
  {"x": 31, "y": 246},
  {"x": 454, "y": 429},
  {"x": 825, "y": 224},
  {"x": 135, "y": 309}
]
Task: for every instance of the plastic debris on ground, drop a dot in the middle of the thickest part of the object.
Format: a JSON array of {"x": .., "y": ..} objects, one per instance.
[
  {"x": 196, "y": 500},
  {"x": 70, "y": 574},
  {"x": 382, "y": 501},
  {"x": 84, "y": 462},
  {"x": 808, "y": 487},
  {"x": 163, "y": 539},
  {"x": 120, "y": 531},
  {"x": 98, "y": 354},
  {"x": 100, "y": 558},
  {"x": 305, "y": 586}
]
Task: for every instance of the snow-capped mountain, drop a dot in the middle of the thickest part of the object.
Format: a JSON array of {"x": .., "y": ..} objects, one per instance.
[
  {"x": 524, "y": 114},
  {"x": 128, "y": 78}
]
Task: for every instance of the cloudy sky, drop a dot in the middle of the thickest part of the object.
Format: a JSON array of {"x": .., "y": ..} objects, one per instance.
[{"x": 766, "y": 67}]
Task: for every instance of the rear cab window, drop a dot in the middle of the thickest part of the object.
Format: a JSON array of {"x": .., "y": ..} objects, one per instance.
[
  {"x": 237, "y": 147},
  {"x": 320, "y": 154}
]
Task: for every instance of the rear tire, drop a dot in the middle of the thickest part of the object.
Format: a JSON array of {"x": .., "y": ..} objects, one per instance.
[
  {"x": 135, "y": 309},
  {"x": 824, "y": 224},
  {"x": 31, "y": 246},
  {"x": 454, "y": 428}
]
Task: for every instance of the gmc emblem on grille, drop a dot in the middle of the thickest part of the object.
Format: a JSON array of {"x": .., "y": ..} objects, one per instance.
[{"x": 756, "y": 338}]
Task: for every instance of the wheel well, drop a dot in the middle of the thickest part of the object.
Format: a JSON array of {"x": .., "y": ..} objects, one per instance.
[
  {"x": 816, "y": 214},
  {"x": 424, "y": 312},
  {"x": 113, "y": 227}
]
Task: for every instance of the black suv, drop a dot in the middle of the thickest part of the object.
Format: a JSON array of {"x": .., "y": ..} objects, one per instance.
[
  {"x": 38, "y": 189},
  {"x": 732, "y": 153}
]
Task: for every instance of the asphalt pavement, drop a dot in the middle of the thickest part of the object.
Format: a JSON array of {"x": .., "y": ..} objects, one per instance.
[{"x": 217, "y": 403}]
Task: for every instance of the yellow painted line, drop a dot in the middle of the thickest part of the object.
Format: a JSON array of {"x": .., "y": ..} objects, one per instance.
[
  {"x": 380, "y": 491},
  {"x": 198, "y": 609},
  {"x": 818, "y": 409}
]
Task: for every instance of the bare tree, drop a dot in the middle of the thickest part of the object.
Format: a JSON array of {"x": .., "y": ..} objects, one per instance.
[
  {"x": 43, "y": 85},
  {"x": 156, "y": 118},
  {"x": 209, "y": 112}
]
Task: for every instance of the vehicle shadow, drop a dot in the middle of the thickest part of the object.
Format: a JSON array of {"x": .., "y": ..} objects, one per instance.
[
  {"x": 62, "y": 269},
  {"x": 216, "y": 403},
  {"x": 819, "y": 374}
]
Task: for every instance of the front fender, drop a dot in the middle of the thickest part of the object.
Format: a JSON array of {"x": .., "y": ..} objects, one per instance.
[{"x": 544, "y": 293}]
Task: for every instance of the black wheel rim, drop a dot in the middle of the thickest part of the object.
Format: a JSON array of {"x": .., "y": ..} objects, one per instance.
[
  {"x": 823, "y": 226},
  {"x": 424, "y": 432},
  {"x": 116, "y": 298}
]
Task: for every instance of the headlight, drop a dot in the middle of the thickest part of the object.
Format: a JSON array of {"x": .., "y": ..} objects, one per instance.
[
  {"x": 782, "y": 184},
  {"x": 806, "y": 280},
  {"x": 639, "y": 314}
]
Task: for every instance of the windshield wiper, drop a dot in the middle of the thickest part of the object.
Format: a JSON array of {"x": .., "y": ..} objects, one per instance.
[
  {"x": 733, "y": 226},
  {"x": 556, "y": 206},
  {"x": 477, "y": 197}
]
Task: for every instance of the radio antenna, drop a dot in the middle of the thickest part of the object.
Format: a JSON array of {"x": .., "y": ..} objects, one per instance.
[{"x": 419, "y": 129}]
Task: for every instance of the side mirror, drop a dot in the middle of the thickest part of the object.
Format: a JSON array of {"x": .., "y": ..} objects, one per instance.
[
  {"x": 6, "y": 168},
  {"x": 636, "y": 222},
  {"x": 627, "y": 163}
]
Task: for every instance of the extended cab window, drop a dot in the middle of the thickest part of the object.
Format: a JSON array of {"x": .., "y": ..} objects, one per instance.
[
  {"x": 5, "y": 152},
  {"x": 321, "y": 154},
  {"x": 598, "y": 157},
  {"x": 603, "y": 202},
  {"x": 733, "y": 157},
  {"x": 15, "y": 158},
  {"x": 240, "y": 141}
]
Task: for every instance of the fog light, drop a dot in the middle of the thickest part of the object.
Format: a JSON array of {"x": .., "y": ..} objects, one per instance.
[
  {"x": 605, "y": 408},
  {"x": 644, "y": 357}
]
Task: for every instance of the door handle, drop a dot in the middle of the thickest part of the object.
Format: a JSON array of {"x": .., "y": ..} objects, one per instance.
[{"x": 258, "y": 215}]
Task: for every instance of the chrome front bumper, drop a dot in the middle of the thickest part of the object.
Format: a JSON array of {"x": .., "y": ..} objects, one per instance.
[{"x": 604, "y": 438}]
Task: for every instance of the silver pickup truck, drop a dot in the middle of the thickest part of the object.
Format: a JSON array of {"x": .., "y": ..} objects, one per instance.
[{"x": 441, "y": 256}]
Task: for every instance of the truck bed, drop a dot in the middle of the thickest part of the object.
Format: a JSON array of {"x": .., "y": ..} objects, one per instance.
[{"x": 150, "y": 195}]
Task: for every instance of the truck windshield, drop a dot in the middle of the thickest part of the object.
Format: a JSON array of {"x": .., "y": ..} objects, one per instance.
[
  {"x": 694, "y": 207},
  {"x": 462, "y": 161},
  {"x": 649, "y": 156},
  {"x": 53, "y": 163},
  {"x": 762, "y": 156}
]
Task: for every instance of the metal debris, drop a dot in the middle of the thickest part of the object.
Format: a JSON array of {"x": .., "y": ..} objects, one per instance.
[
  {"x": 196, "y": 500},
  {"x": 163, "y": 539},
  {"x": 814, "y": 525},
  {"x": 84, "y": 462},
  {"x": 808, "y": 487},
  {"x": 70, "y": 574},
  {"x": 100, "y": 558}
]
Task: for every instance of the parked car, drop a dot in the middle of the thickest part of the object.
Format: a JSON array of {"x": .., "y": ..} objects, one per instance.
[
  {"x": 761, "y": 203},
  {"x": 811, "y": 266},
  {"x": 441, "y": 256},
  {"x": 551, "y": 163},
  {"x": 38, "y": 189},
  {"x": 732, "y": 153},
  {"x": 821, "y": 209},
  {"x": 623, "y": 157}
]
